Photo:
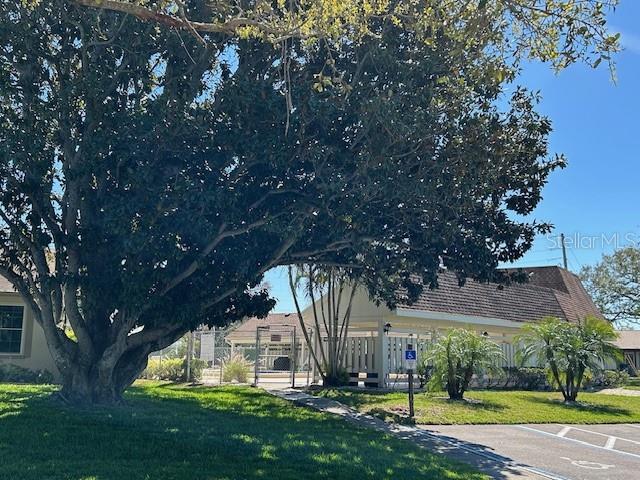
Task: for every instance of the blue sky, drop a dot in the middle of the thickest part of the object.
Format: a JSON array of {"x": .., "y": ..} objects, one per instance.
[{"x": 595, "y": 200}]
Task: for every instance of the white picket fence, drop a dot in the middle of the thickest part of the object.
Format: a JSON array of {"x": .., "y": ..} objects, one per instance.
[{"x": 360, "y": 353}]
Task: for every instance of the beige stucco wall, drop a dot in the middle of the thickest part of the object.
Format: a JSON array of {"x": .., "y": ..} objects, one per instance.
[
  {"x": 409, "y": 324},
  {"x": 367, "y": 317},
  {"x": 35, "y": 353}
]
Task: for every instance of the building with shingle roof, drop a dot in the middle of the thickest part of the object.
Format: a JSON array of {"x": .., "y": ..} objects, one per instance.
[
  {"x": 378, "y": 335},
  {"x": 629, "y": 342}
]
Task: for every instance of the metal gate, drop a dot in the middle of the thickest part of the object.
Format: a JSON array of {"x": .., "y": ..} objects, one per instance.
[{"x": 280, "y": 355}]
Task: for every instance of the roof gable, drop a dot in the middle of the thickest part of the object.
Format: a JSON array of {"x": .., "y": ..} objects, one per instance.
[
  {"x": 551, "y": 291},
  {"x": 246, "y": 330}
]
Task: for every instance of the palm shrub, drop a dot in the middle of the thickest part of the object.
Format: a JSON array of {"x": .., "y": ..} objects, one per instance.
[
  {"x": 197, "y": 366},
  {"x": 570, "y": 351},
  {"x": 459, "y": 355},
  {"x": 237, "y": 368}
]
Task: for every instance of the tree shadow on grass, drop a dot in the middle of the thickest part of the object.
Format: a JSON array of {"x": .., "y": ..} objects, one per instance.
[
  {"x": 472, "y": 403},
  {"x": 399, "y": 414},
  {"x": 352, "y": 396},
  {"x": 582, "y": 406},
  {"x": 173, "y": 432},
  {"x": 388, "y": 415}
]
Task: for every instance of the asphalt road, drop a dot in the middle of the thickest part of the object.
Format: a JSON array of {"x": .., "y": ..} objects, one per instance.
[{"x": 575, "y": 452}]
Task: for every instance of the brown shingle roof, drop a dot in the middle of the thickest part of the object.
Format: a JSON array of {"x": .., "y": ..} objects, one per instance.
[
  {"x": 551, "y": 291},
  {"x": 574, "y": 300},
  {"x": 246, "y": 331}
]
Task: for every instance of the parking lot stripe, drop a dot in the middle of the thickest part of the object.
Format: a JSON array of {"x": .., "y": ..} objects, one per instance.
[
  {"x": 605, "y": 435},
  {"x": 634, "y": 425},
  {"x": 611, "y": 441},
  {"x": 483, "y": 453},
  {"x": 586, "y": 444},
  {"x": 564, "y": 431}
]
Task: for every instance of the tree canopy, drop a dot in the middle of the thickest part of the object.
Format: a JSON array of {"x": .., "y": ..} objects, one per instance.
[
  {"x": 559, "y": 31},
  {"x": 614, "y": 284},
  {"x": 148, "y": 180}
]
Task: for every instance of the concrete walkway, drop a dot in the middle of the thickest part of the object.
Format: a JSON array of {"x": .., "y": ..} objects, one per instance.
[
  {"x": 620, "y": 391},
  {"x": 484, "y": 460}
]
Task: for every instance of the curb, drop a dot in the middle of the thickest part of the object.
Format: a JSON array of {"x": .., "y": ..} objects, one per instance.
[{"x": 302, "y": 399}]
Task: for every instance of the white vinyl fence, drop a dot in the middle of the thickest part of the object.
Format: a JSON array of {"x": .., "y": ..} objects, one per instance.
[{"x": 360, "y": 353}]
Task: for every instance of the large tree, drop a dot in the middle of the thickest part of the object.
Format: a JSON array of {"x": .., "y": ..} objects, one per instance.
[
  {"x": 149, "y": 179},
  {"x": 614, "y": 284}
]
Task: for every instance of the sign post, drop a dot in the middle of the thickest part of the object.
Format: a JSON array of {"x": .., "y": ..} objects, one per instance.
[{"x": 410, "y": 360}]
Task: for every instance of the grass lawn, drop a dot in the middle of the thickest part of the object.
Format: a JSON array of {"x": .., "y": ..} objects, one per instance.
[
  {"x": 175, "y": 432},
  {"x": 485, "y": 407},
  {"x": 634, "y": 384}
]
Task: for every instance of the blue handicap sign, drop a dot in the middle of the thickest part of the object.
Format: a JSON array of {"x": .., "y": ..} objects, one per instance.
[{"x": 410, "y": 355}]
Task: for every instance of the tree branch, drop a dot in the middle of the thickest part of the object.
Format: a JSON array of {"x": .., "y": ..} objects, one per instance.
[
  {"x": 195, "y": 264},
  {"x": 229, "y": 26}
]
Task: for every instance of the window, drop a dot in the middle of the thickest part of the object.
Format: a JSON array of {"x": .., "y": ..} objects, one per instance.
[{"x": 10, "y": 328}]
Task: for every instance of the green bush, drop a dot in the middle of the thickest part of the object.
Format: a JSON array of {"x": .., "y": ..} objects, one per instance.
[
  {"x": 341, "y": 378},
  {"x": 609, "y": 379},
  {"x": 197, "y": 365},
  {"x": 14, "y": 374},
  {"x": 166, "y": 369},
  {"x": 531, "y": 378},
  {"x": 514, "y": 378},
  {"x": 236, "y": 368},
  {"x": 173, "y": 369}
]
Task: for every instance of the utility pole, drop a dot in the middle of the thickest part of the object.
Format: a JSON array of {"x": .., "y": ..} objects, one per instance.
[
  {"x": 564, "y": 252},
  {"x": 189, "y": 354},
  {"x": 256, "y": 366},
  {"x": 213, "y": 350},
  {"x": 294, "y": 357}
]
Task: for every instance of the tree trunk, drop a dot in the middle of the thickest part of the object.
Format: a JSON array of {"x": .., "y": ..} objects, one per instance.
[
  {"x": 455, "y": 393},
  {"x": 85, "y": 386},
  {"x": 454, "y": 388},
  {"x": 102, "y": 381},
  {"x": 82, "y": 387},
  {"x": 332, "y": 381}
]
